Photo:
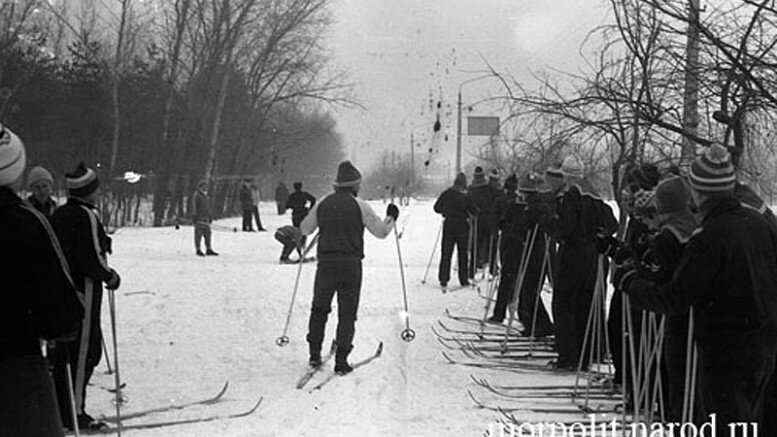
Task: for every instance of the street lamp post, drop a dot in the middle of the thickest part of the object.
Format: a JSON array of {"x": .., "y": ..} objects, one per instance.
[{"x": 458, "y": 120}]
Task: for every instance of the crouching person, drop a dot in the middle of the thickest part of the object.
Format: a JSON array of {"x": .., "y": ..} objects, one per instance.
[{"x": 291, "y": 238}]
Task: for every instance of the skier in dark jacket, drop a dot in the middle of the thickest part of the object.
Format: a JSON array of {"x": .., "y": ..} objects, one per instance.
[
  {"x": 300, "y": 202},
  {"x": 281, "y": 195},
  {"x": 728, "y": 276},
  {"x": 86, "y": 246},
  {"x": 202, "y": 218},
  {"x": 37, "y": 301},
  {"x": 456, "y": 208},
  {"x": 247, "y": 206},
  {"x": 483, "y": 197},
  {"x": 575, "y": 278},
  {"x": 341, "y": 218},
  {"x": 41, "y": 183}
]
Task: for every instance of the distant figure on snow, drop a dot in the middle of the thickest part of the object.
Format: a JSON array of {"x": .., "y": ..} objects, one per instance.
[
  {"x": 281, "y": 195},
  {"x": 202, "y": 218},
  {"x": 300, "y": 202},
  {"x": 249, "y": 204}
]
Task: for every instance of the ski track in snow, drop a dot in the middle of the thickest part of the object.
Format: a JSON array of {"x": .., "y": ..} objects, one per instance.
[{"x": 186, "y": 324}]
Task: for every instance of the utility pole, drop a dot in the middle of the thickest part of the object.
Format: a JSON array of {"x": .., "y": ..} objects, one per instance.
[
  {"x": 458, "y": 133},
  {"x": 691, "y": 94},
  {"x": 412, "y": 162}
]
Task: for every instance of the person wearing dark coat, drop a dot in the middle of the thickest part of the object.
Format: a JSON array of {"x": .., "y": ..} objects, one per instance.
[
  {"x": 572, "y": 225},
  {"x": 247, "y": 206},
  {"x": 341, "y": 218},
  {"x": 41, "y": 184},
  {"x": 281, "y": 195},
  {"x": 456, "y": 208},
  {"x": 727, "y": 276},
  {"x": 37, "y": 302},
  {"x": 299, "y": 202},
  {"x": 86, "y": 247},
  {"x": 522, "y": 235},
  {"x": 483, "y": 196},
  {"x": 202, "y": 218}
]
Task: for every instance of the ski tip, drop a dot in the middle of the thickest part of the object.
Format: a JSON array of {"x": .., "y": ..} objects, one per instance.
[{"x": 380, "y": 349}]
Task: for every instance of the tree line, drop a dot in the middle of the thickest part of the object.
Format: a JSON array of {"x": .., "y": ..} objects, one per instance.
[{"x": 174, "y": 90}]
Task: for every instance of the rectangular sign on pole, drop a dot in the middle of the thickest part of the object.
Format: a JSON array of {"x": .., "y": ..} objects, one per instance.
[{"x": 482, "y": 126}]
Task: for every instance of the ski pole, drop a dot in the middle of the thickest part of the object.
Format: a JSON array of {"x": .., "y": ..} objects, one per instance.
[
  {"x": 283, "y": 340},
  {"x": 116, "y": 376},
  {"x": 71, "y": 395},
  {"x": 431, "y": 256},
  {"x": 407, "y": 334},
  {"x": 105, "y": 352}
]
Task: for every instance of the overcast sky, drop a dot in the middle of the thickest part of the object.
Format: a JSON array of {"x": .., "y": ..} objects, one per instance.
[{"x": 403, "y": 55}]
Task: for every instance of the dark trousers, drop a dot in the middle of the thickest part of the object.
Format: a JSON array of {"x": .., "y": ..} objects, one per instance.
[
  {"x": 675, "y": 346},
  {"x": 297, "y": 217},
  {"x": 281, "y": 206},
  {"x": 69, "y": 351},
  {"x": 345, "y": 279},
  {"x": 617, "y": 334},
  {"x": 28, "y": 407},
  {"x": 288, "y": 246},
  {"x": 248, "y": 219},
  {"x": 573, "y": 290},
  {"x": 249, "y": 215},
  {"x": 531, "y": 310},
  {"x": 734, "y": 372},
  {"x": 512, "y": 250},
  {"x": 202, "y": 231},
  {"x": 455, "y": 234}
]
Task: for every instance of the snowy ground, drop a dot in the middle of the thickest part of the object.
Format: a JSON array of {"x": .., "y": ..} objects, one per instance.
[{"x": 187, "y": 324}]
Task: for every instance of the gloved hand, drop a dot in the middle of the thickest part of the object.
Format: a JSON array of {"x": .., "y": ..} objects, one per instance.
[
  {"x": 114, "y": 282},
  {"x": 623, "y": 274},
  {"x": 392, "y": 211},
  {"x": 607, "y": 245}
]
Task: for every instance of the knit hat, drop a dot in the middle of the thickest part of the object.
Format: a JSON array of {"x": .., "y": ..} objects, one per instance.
[
  {"x": 460, "y": 181},
  {"x": 37, "y": 174},
  {"x": 713, "y": 172},
  {"x": 493, "y": 174},
  {"x": 297, "y": 186},
  {"x": 554, "y": 173},
  {"x": 571, "y": 167},
  {"x": 671, "y": 196},
  {"x": 347, "y": 175},
  {"x": 531, "y": 183},
  {"x": 479, "y": 177},
  {"x": 82, "y": 182},
  {"x": 12, "y": 157},
  {"x": 644, "y": 203},
  {"x": 511, "y": 183}
]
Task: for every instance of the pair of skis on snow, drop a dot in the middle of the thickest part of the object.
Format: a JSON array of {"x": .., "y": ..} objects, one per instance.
[
  {"x": 310, "y": 373},
  {"x": 180, "y": 406}
]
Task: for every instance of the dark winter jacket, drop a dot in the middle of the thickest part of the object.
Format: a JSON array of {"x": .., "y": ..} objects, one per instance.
[
  {"x": 288, "y": 235},
  {"x": 484, "y": 199},
  {"x": 46, "y": 208},
  {"x": 728, "y": 272},
  {"x": 281, "y": 193},
  {"x": 748, "y": 198},
  {"x": 84, "y": 241},
  {"x": 456, "y": 207},
  {"x": 574, "y": 221},
  {"x": 246, "y": 197},
  {"x": 298, "y": 203},
  {"x": 341, "y": 218},
  {"x": 200, "y": 208},
  {"x": 503, "y": 204},
  {"x": 37, "y": 299}
]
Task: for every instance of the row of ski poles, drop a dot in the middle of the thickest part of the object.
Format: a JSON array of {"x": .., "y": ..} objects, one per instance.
[{"x": 407, "y": 334}]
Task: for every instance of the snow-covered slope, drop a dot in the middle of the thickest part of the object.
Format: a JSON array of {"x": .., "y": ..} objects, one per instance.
[{"x": 186, "y": 324}]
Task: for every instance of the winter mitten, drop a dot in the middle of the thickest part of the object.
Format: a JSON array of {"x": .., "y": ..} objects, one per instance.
[
  {"x": 114, "y": 282},
  {"x": 392, "y": 211}
]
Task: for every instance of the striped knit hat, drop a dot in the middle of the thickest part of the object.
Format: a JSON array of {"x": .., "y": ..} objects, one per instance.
[
  {"x": 479, "y": 177},
  {"x": 572, "y": 167},
  {"x": 713, "y": 172},
  {"x": 554, "y": 173},
  {"x": 12, "y": 157},
  {"x": 82, "y": 182}
]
